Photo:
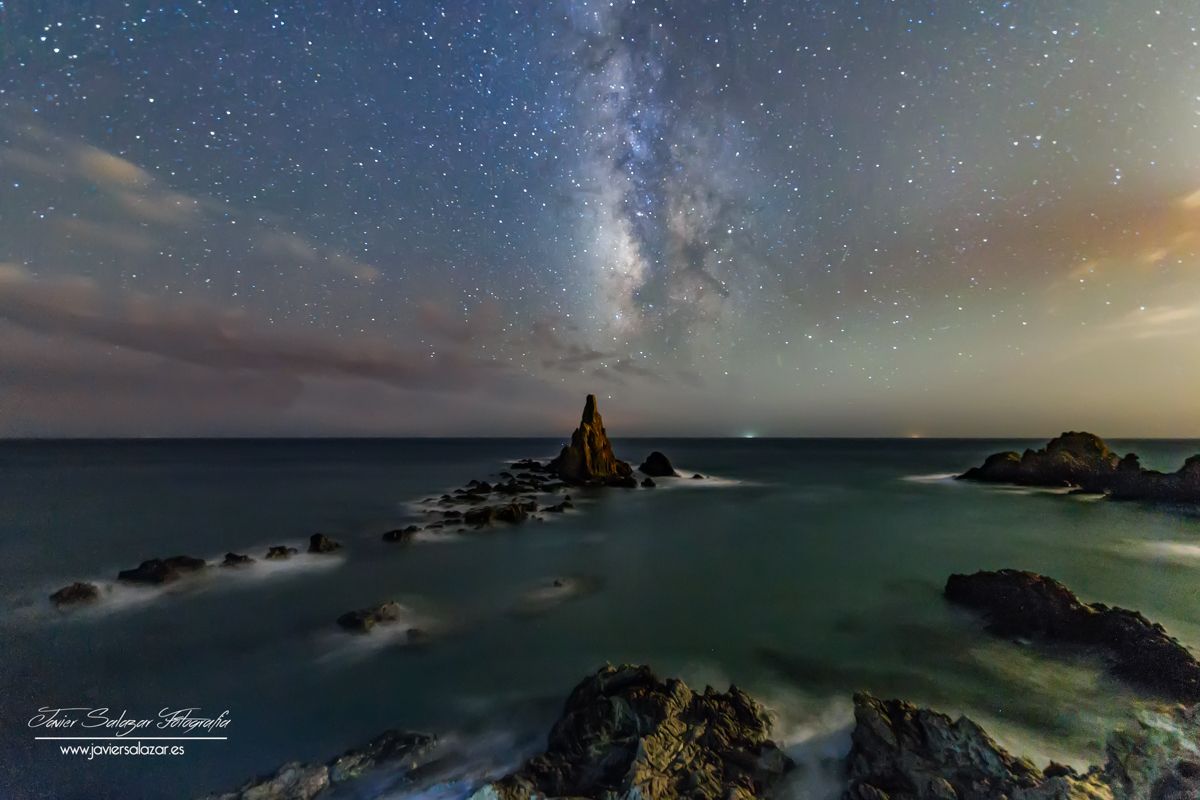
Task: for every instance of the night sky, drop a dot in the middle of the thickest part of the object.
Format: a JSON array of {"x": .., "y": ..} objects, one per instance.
[{"x": 747, "y": 218}]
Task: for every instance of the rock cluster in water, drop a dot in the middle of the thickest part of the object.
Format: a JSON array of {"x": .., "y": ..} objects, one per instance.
[
  {"x": 1016, "y": 603},
  {"x": 162, "y": 570},
  {"x": 1083, "y": 460},
  {"x": 626, "y": 735}
]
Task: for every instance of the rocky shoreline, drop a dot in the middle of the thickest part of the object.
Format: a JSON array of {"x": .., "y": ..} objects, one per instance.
[{"x": 1083, "y": 461}]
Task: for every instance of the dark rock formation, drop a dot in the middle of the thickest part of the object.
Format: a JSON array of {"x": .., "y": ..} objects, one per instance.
[
  {"x": 559, "y": 508},
  {"x": 236, "y": 560},
  {"x": 1017, "y": 603},
  {"x": 626, "y": 734},
  {"x": 320, "y": 543},
  {"x": 511, "y": 513},
  {"x": 648, "y": 484},
  {"x": 589, "y": 458},
  {"x": 1084, "y": 461},
  {"x": 404, "y": 535},
  {"x": 657, "y": 465},
  {"x": 280, "y": 552},
  {"x": 298, "y": 781},
  {"x": 697, "y": 477},
  {"x": 902, "y": 752},
  {"x": 162, "y": 570},
  {"x": 363, "y": 620},
  {"x": 75, "y": 594}
]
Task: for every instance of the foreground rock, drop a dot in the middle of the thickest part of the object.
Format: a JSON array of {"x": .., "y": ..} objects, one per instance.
[
  {"x": 162, "y": 570},
  {"x": 298, "y": 781},
  {"x": 900, "y": 751},
  {"x": 1083, "y": 460},
  {"x": 75, "y": 594},
  {"x": 589, "y": 458},
  {"x": 626, "y": 735},
  {"x": 1017, "y": 603},
  {"x": 657, "y": 465},
  {"x": 364, "y": 620}
]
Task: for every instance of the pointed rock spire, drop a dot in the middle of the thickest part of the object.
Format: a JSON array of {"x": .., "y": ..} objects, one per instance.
[{"x": 589, "y": 458}]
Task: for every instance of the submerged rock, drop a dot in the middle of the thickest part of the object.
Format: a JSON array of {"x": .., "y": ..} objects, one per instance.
[
  {"x": 75, "y": 594},
  {"x": 236, "y": 560},
  {"x": 404, "y": 535},
  {"x": 589, "y": 457},
  {"x": 320, "y": 543},
  {"x": 279, "y": 552},
  {"x": 901, "y": 751},
  {"x": 1017, "y": 603},
  {"x": 626, "y": 735},
  {"x": 657, "y": 465},
  {"x": 162, "y": 570},
  {"x": 364, "y": 620},
  {"x": 296, "y": 781}
]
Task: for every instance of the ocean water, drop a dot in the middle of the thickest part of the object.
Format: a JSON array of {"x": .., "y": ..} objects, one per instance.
[{"x": 802, "y": 570}]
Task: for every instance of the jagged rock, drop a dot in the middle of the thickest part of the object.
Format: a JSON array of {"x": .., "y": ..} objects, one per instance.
[
  {"x": 902, "y": 752},
  {"x": 1157, "y": 757},
  {"x": 363, "y": 620},
  {"x": 1017, "y": 603},
  {"x": 293, "y": 781},
  {"x": 589, "y": 457},
  {"x": 236, "y": 560},
  {"x": 280, "y": 552},
  {"x": 657, "y": 465},
  {"x": 390, "y": 746},
  {"x": 404, "y": 535},
  {"x": 162, "y": 570},
  {"x": 648, "y": 484},
  {"x": 75, "y": 594},
  {"x": 320, "y": 543},
  {"x": 512, "y": 513},
  {"x": 625, "y": 735},
  {"x": 560, "y": 508}
]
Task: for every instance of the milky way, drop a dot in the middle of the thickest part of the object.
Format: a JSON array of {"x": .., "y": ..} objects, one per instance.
[{"x": 733, "y": 218}]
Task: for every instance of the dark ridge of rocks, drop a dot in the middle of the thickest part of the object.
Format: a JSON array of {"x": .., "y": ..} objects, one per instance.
[
  {"x": 296, "y": 781},
  {"x": 401, "y": 535},
  {"x": 279, "y": 552},
  {"x": 648, "y": 484},
  {"x": 1025, "y": 604},
  {"x": 658, "y": 466},
  {"x": 320, "y": 543},
  {"x": 162, "y": 570},
  {"x": 624, "y": 733},
  {"x": 236, "y": 560},
  {"x": 75, "y": 594},
  {"x": 363, "y": 620},
  {"x": 1083, "y": 460},
  {"x": 512, "y": 513},
  {"x": 589, "y": 458},
  {"x": 901, "y": 751}
]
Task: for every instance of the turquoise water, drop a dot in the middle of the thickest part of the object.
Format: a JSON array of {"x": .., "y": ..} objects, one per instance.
[{"x": 802, "y": 570}]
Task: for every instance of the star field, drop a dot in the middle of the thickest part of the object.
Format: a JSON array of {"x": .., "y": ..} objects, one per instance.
[{"x": 841, "y": 218}]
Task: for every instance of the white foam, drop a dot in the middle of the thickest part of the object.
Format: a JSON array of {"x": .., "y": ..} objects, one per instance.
[
  {"x": 937, "y": 477},
  {"x": 1181, "y": 552}
]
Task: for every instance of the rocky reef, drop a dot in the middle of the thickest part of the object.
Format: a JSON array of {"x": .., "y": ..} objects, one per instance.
[
  {"x": 626, "y": 735},
  {"x": 1025, "y": 604},
  {"x": 1083, "y": 460},
  {"x": 364, "y": 620},
  {"x": 162, "y": 570},
  {"x": 589, "y": 459}
]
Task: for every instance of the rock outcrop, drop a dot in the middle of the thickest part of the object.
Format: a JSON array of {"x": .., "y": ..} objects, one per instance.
[
  {"x": 280, "y": 552},
  {"x": 298, "y": 781},
  {"x": 401, "y": 534},
  {"x": 511, "y": 513},
  {"x": 236, "y": 560},
  {"x": 589, "y": 458},
  {"x": 626, "y": 735},
  {"x": 1016, "y": 603},
  {"x": 364, "y": 620},
  {"x": 1083, "y": 460},
  {"x": 657, "y": 465},
  {"x": 162, "y": 570},
  {"x": 75, "y": 594},
  {"x": 901, "y": 752},
  {"x": 320, "y": 543}
]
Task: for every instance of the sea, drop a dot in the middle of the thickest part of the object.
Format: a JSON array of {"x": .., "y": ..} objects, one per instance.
[{"x": 802, "y": 570}]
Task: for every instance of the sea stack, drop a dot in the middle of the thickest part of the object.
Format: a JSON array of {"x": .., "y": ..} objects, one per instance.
[{"x": 589, "y": 458}]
